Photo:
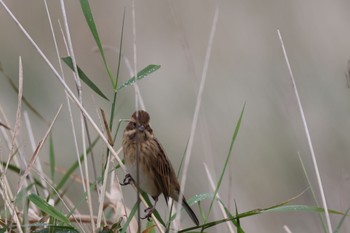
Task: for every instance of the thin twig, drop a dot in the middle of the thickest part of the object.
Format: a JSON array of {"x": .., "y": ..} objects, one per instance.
[
  {"x": 197, "y": 108},
  {"x": 313, "y": 156},
  {"x": 36, "y": 153},
  {"x": 4, "y": 185},
  {"x": 82, "y": 117}
]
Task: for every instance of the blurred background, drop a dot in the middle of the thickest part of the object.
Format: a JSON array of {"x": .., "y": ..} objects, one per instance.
[{"x": 246, "y": 66}]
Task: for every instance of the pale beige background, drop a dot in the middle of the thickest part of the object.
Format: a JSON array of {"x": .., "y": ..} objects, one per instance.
[{"x": 246, "y": 65}]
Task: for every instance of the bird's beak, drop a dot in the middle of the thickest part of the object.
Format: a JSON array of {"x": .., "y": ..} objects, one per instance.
[{"x": 141, "y": 128}]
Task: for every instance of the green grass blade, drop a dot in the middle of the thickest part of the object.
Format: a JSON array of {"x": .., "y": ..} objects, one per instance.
[
  {"x": 131, "y": 215},
  {"x": 120, "y": 49},
  {"x": 140, "y": 75},
  {"x": 57, "y": 229},
  {"x": 85, "y": 6},
  {"x": 82, "y": 199},
  {"x": 155, "y": 212},
  {"x": 74, "y": 166},
  {"x": 26, "y": 102},
  {"x": 83, "y": 77},
  {"x": 300, "y": 208},
  {"x": 195, "y": 199},
  {"x": 341, "y": 222},
  {"x": 111, "y": 120},
  {"x": 234, "y": 136},
  {"x": 52, "y": 159},
  {"x": 312, "y": 192},
  {"x": 17, "y": 170},
  {"x": 199, "y": 197},
  {"x": 234, "y": 220},
  {"x": 48, "y": 209},
  {"x": 239, "y": 228},
  {"x": 276, "y": 208},
  {"x": 281, "y": 207}
]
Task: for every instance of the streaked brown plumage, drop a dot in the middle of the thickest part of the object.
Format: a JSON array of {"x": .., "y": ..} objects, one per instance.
[{"x": 156, "y": 174}]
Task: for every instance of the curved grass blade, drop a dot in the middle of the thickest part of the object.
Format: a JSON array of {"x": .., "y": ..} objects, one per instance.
[
  {"x": 111, "y": 120},
  {"x": 52, "y": 159},
  {"x": 234, "y": 136},
  {"x": 26, "y": 102},
  {"x": 57, "y": 229},
  {"x": 301, "y": 208},
  {"x": 81, "y": 199},
  {"x": 74, "y": 166},
  {"x": 193, "y": 200},
  {"x": 17, "y": 170},
  {"x": 120, "y": 48},
  {"x": 83, "y": 77},
  {"x": 235, "y": 220},
  {"x": 341, "y": 222},
  {"x": 48, "y": 209},
  {"x": 239, "y": 228},
  {"x": 131, "y": 215},
  {"x": 140, "y": 75},
  {"x": 155, "y": 212},
  {"x": 277, "y": 208},
  {"x": 85, "y": 6}
]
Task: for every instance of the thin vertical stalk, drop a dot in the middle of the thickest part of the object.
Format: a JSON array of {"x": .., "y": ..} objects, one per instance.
[{"x": 313, "y": 156}]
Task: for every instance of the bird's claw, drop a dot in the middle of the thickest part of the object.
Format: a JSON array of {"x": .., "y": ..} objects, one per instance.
[
  {"x": 127, "y": 180},
  {"x": 149, "y": 213}
]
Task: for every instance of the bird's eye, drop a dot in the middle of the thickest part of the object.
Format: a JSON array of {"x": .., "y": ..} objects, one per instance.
[{"x": 133, "y": 124}]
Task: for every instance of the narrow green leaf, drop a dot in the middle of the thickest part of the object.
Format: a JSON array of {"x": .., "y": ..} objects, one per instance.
[
  {"x": 120, "y": 48},
  {"x": 140, "y": 75},
  {"x": 48, "y": 209},
  {"x": 300, "y": 208},
  {"x": 239, "y": 228},
  {"x": 193, "y": 200},
  {"x": 112, "y": 118},
  {"x": 131, "y": 215},
  {"x": 341, "y": 222},
  {"x": 234, "y": 221},
  {"x": 52, "y": 159},
  {"x": 85, "y": 6},
  {"x": 199, "y": 197},
  {"x": 155, "y": 212},
  {"x": 74, "y": 166},
  {"x": 83, "y": 77},
  {"x": 82, "y": 199},
  {"x": 26, "y": 102},
  {"x": 281, "y": 207},
  {"x": 57, "y": 229},
  {"x": 17, "y": 170},
  {"x": 234, "y": 136}
]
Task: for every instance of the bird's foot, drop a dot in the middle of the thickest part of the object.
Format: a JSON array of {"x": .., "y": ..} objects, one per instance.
[
  {"x": 127, "y": 180},
  {"x": 149, "y": 212}
]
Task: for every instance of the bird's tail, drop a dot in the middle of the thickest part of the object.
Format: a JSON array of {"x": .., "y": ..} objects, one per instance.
[{"x": 190, "y": 212}]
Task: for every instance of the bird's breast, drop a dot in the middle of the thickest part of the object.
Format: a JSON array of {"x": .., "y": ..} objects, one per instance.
[{"x": 145, "y": 157}]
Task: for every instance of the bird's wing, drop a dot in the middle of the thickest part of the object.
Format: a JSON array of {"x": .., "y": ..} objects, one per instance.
[{"x": 163, "y": 170}]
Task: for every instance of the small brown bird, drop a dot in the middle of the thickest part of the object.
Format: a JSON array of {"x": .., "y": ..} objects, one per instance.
[{"x": 156, "y": 174}]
